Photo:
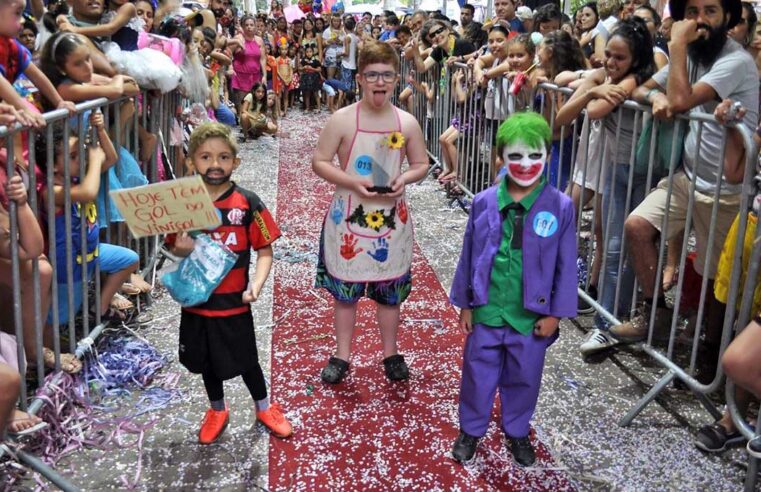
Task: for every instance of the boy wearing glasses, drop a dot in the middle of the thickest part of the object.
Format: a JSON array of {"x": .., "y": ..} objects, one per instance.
[{"x": 366, "y": 240}]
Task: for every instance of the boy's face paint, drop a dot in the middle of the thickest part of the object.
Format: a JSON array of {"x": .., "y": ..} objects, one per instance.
[
  {"x": 525, "y": 164},
  {"x": 215, "y": 161}
]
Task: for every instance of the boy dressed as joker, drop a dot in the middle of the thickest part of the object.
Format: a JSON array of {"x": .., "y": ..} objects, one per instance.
[{"x": 515, "y": 279}]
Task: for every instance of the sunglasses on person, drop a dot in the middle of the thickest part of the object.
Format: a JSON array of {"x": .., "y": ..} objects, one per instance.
[
  {"x": 372, "y": 77},
  {"x": 432, "y": 35}
]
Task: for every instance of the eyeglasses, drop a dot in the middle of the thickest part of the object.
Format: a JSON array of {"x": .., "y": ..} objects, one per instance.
[
  {"x": 433, "y": 34},
  {"x": 372, "y": 77}
]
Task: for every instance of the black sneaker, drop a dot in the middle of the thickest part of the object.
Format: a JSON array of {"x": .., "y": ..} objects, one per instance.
[
  {"x": 523, "y": 451},
  {"x": 396, "y": 368},
  {"x": 713, "y": 438},
  {"x": 464, "y": 447},
  {"x": 335, "y": 371}
]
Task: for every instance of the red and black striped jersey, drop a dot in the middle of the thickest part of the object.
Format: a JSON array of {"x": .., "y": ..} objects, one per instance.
[{"x": 246, "y": 224}]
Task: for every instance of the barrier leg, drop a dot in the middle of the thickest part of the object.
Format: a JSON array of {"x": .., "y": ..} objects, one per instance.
[
  {"x": 752, "y": 476},
  {"x": 645, "y": 400},
  {"x": 43, "y": 469}
]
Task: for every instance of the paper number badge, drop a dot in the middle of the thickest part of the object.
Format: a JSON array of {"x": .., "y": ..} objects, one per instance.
[{"x": 545, "y": 224}]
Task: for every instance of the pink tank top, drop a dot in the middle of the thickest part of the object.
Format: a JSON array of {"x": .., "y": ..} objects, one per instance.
[{"x": 247, "y": 62}]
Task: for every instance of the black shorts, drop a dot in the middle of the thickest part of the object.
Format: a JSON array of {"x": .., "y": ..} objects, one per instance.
[{"x": 224, "y": 346}]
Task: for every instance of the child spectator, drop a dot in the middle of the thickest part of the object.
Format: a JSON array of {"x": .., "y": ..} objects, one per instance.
[
  {"x": 310, "y": 78},
  {"x": 255, "y": 119},
  {"x": 510, "y": 317},
  {"x": 358, "y": 256},
  {"x": 65, "y": 57},
  {"x": 284, "y": 78},
  {"x": 15, "y": 60},
  {"x": 557, "y": 53},
  {"x": 333, "y": 42},
  {"x": 294, "y": 88},
  {"x": 272, "y": 113},
  {"x": 217, "y": 338},
  {"x": 28, "y": 35},
  {"x": 507, "y": 58},
  {"x": 150, "y": 68},
  {"x": 30, "y": 245},
  {"x": 459, "y": 123},
  {"x": 116, "y": 262},
  {"x": 349, "y": 61}
]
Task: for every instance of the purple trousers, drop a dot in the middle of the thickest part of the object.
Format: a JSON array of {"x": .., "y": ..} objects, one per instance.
[{"x": 505, "y": 359}]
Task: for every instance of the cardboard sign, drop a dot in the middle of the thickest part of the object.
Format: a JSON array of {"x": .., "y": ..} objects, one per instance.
[{"x": 163, "y": 208}]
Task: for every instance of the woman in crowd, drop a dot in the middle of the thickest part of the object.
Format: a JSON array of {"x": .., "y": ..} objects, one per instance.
[{"x": 249, "y": 59}]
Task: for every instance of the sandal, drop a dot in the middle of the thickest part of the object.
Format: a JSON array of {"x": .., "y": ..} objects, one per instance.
[
  {"x": 396, "y": 369},
  {"x": 69, "y": 362},
  {"x": 129, "y": 289},
  {"x": 113, "y": 315},
  {"x": 713, "y": 438},
  {"x": 23, "y": 424},
  {"x": 139, "y": 282},
  {"x": 335, "y": 371},
  {"x": 670, "y": 278},
  {"x": 121, "y": 303}
]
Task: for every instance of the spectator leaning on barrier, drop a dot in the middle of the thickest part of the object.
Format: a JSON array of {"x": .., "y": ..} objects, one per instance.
[{"x": 706, "y": 66}]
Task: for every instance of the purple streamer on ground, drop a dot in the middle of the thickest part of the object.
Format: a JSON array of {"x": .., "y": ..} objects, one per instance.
[{"x": 77, "y": 408}]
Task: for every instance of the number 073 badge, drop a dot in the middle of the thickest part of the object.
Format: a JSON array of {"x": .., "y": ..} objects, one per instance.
[{"x": 545, "y": 224}]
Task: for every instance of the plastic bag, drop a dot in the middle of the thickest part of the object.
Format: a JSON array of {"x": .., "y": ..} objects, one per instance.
[{"x": 196, "y": 276}]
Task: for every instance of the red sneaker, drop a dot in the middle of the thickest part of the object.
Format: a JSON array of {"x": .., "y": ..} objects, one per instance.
[
  {"x": 214, "y": 423},
  {"x": 275, "y": 421}
]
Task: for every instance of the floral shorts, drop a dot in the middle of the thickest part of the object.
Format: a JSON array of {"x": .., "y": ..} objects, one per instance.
[{"x": 389, "y": 292}]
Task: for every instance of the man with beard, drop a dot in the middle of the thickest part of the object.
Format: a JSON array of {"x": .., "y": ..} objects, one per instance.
[
  {"x": 466, "y": 18},
  {"x": 706, "y": 67},
  {"x": 217, "y": 7}
]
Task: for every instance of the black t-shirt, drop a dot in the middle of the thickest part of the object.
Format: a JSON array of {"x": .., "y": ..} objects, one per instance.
[{"x": 461, "y": 47}]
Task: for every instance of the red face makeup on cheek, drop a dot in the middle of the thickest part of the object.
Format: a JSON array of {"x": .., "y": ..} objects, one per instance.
[{"x": 525, "y": 173}]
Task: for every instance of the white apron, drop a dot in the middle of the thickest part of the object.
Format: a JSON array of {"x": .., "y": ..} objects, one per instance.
[{"x": 369, "y": 239}]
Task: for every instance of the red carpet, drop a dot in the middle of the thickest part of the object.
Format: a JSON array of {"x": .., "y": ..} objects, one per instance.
[{"x": 366, "y": 433}]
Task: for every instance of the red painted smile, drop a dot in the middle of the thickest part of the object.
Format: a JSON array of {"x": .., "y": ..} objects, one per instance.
[{"x": 525, "y": 173}]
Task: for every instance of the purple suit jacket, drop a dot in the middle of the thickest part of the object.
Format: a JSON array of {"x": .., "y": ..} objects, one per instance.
[{"x": 550, "y": 278}]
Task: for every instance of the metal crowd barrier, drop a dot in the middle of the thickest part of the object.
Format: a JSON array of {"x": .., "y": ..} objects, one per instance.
[
  {"x": 598, "y": 155},
  {"x": 33, "y": 283}
]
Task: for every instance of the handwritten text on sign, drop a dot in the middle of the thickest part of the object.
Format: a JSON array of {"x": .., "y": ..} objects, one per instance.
[{"x": 163, "y": 208}]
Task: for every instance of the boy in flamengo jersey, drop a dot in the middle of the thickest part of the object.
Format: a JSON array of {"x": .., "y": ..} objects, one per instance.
[
  {"x": 217, "y": 337},
  {"x": 366, "y": 242}
]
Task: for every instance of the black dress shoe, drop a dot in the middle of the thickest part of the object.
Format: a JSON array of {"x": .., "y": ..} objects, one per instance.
[
  {"x": 464, "y": 447},
  {"x": 523, "y": 451},
  {"x": 396, "y": 369}
]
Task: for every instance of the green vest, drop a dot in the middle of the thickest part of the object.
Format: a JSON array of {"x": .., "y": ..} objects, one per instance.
[{"x": 505, "y": 306}]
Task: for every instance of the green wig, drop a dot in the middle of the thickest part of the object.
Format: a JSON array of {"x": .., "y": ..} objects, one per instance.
[{"x": 527, "y": 127}]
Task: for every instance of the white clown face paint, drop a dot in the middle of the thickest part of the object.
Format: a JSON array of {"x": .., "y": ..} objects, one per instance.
[{"x": 524, "y": 163}]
